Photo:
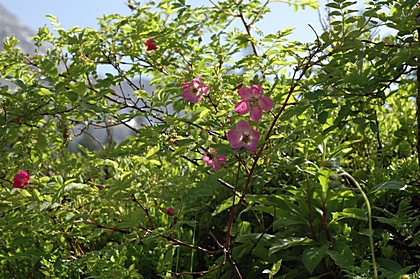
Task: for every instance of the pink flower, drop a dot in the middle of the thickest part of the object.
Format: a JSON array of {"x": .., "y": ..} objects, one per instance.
[
  {"x": 192, "y": 91},
  {"x": 150, "y": 43},
  {"x": 253, "y": 101},
  {"x": 244, "y": 136},
  {"x": 170, "y": 211},
  {"x": 212, "y": 159},
  {"x": 21, "y": 179}
]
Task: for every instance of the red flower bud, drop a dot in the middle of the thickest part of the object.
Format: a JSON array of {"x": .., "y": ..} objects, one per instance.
[{"x": 170, "y": 211}]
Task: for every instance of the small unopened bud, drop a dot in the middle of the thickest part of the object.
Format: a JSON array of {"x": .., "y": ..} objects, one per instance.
[{"x": 170, "y": 211}]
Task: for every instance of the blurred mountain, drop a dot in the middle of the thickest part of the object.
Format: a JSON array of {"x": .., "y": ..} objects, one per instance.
[
  {"x": 11, "y": 25},
  {"x": 92, "y": 138}
]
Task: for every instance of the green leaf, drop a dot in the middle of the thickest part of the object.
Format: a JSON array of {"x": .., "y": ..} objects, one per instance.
[
  {"x": 152, "y": 151},
  {"x": 355, "y": 213},
  {"x": 322, "y": 117},
  {"x": 298, "y": 110},
  {"x": 25, "y": 193},
  {"x": 41, "y": 141},
  {"x": 287, "y": 222},
  {"x": 72, "y": 186},
  {"x": 287, "y": 242},
  {"x": 276, "y": 267},
  {"x": 373, "y": 127},
  {"x": 228, "y": 203},
  {"x": 323, "y": 176},
  {"x": 44, "y": 92},
  {"x": 49, "y": 68},
  {"x": 200, "y": 192},
  {"x": 71, "y": 95},
  {"x": 184, "y": 142},
  {"x": 341, "y": 255},
  {"x": 390, "y": 185},
  {"x": 313, "y": 255}
]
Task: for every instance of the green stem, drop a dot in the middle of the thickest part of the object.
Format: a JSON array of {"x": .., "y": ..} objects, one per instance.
[{"x": 372, "y": 246}]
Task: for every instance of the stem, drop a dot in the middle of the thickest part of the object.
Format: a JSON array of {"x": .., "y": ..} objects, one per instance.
[
  {"x": 372, "y": 246},
  {"x": 418, "y": 104},
  {"x": 311, "y": 225}
]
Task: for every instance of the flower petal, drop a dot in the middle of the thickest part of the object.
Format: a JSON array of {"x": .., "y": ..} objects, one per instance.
[
  {"x": 207, "y": 160},
  {"x": 222, "y": 159},
  {"x": 245, "y": 93},
  {"x": 243, "y": 127},
  {"x": 256, "y": 90},
  {"x": 235, "y": 138},
  {"x": 266, "y": 103},
  {"x": 255, "y": 114},
  {"x": 198, "y": 82},
  {"x": 242, "y": 107},
  {"x": 189, "y": 95},
  {"x": 205, "y": 89},
  {"x": 252, "y": 144},
  {"x": 216, "y": 166}
]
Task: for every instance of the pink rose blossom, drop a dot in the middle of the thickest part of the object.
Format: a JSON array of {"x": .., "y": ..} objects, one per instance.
[
  {"x": 212, "y": 159},
  {"x": 21, "y": 179},
  {"x": 244, "y": 136},
  {"x": 253, "y": 101},
  {"x": 192, "y": 91},
  {"x": 170, "y": 211},
  {"x": 150, "y": 43}
]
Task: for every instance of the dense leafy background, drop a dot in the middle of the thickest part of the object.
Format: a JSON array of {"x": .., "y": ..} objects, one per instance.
[{"x": 343, "y": 102}]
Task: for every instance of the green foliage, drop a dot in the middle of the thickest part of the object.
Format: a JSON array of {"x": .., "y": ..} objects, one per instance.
[{"x": 342, "y": 101}]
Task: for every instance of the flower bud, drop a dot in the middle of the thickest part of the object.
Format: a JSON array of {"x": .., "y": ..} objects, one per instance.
[{"x": 170, "y": 211}]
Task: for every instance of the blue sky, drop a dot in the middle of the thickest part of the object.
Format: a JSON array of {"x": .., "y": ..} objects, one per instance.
[{"x": 84, "y": 13}]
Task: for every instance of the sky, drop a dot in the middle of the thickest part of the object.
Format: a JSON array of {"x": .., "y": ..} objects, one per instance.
[{"x": 84, "y": 13}]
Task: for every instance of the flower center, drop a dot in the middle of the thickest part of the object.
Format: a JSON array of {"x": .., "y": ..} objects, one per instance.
[
  {"x": 196, "y": 90},
  {"x": 254, "y": 102},
  {"x": 210, "y": 155},
  {"x": 246, "y": 138}
]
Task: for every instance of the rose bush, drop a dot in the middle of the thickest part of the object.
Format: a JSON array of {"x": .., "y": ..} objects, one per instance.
[{"x": 148, "y": 205}]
